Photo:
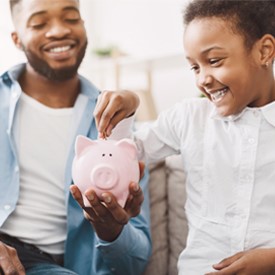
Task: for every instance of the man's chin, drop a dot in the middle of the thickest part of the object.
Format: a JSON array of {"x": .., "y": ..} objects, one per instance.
[
  {"x": 63, "y": 74},
  {"x": 57, "y": 74}
]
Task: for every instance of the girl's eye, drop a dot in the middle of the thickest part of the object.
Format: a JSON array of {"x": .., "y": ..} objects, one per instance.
[{"x": 215, "y": 61}]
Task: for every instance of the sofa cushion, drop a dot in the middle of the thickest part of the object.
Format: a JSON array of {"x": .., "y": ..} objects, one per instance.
[
  {"x": 177, "y": 223},
  {"x": 158, "y": 263}
]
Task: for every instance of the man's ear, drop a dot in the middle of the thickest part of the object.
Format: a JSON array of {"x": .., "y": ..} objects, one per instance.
[
  {"x": 16, "y": 40},
  {"x": 267, "y": 49}
]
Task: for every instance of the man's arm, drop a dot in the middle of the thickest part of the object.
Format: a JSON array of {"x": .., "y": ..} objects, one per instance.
[{"x": 123, "y": 233}]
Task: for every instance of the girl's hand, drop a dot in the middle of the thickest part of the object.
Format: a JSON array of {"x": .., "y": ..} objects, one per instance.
[
  {"x": 112, "y": 107},
  {"x": 252, "y": 262}
]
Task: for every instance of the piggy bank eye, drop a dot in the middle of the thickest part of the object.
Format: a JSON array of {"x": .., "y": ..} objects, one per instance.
[
  {"x": 110, "y": 155},
  {"x": 103, "y": 155}
]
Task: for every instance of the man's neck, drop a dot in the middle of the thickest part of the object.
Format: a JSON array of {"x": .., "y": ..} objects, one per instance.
[{"x": 54, "y": 94}]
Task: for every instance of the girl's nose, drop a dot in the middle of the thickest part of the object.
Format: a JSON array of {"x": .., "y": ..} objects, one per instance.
[{"x": 204, "y": 79}]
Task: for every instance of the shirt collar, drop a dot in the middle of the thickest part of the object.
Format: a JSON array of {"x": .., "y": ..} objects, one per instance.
[
  {"x": 216, "y": 115},
  {"x": 86, "y": 87},
  {"x": 268, "y": 112}
]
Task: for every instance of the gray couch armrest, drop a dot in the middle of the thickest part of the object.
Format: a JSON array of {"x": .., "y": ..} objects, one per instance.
[
  {"x": 158, "y": 263},
  {"x": 168, "y": 220},
  {"x": 177, "y": 223}
]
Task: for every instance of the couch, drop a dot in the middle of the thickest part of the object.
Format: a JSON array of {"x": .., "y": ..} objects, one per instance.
[{"x": 168, "y": 220}]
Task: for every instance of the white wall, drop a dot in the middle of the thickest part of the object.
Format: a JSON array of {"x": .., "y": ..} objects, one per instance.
[
  {"x": 145, "y": 29},
  {"x": 137, "y": 26},
  {"x": 9, "y": 55}
]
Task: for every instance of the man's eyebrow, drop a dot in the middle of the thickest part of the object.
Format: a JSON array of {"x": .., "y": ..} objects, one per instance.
[
  {"x": 42, "y": 12},
  {"x": 71, "y": 8},
  {"x": 36, "y": 14}
]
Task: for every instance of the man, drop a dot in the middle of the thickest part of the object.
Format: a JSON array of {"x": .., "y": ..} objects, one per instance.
[{"x": 44, "y": 104}]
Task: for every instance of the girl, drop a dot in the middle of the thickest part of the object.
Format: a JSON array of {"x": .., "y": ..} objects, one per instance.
[{"x": 227, "y": 140}]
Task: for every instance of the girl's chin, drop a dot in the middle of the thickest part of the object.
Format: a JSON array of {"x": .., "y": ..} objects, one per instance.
[{"x": 224, "y": 112}]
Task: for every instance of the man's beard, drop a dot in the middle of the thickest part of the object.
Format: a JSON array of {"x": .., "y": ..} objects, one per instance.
[{"x": 43, "y": 68}]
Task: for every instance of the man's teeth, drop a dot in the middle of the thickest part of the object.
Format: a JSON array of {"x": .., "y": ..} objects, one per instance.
[
  {"x": 217, "y": 96},
  {"x": 60, "y": 49}
]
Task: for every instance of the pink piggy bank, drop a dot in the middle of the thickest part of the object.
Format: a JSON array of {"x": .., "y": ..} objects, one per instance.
[{"x": 105, "y": 165}]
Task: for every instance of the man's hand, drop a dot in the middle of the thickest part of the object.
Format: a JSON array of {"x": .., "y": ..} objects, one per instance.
[
  {"x": 105, "y": 214},
  {"x": 112, "y": 107},
  {"x": 9, "y": 261},
  {"x": 252, "y": 262}
]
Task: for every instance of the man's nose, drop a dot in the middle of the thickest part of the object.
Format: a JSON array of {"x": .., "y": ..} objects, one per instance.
[{"x": 58, "y": 30}]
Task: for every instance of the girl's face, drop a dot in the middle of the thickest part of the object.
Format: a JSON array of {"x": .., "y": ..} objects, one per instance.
[{"x": 229, "y": 74}]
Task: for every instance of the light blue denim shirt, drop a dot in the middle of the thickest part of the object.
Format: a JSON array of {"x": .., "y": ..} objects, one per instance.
[{"x": 85, "y": 253}]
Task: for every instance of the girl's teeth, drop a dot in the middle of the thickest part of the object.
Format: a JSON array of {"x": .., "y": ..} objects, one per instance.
[{"x": 218, "y": 95}]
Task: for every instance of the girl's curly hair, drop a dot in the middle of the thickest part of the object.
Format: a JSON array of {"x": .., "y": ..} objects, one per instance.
[{"x": 251, "y": 19}]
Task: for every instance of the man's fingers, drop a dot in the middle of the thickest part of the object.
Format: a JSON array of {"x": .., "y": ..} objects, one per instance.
[
  {"x": 9, "y": 261},
  {"x": 16, "y": 262},
  {"x": 136, "y": 197},
  {"x": 117, "y": 212},
  {"x": 77, "y": 195}
]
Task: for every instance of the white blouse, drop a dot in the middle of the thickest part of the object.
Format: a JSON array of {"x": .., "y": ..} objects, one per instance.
[{"x": 230, "y": 168}]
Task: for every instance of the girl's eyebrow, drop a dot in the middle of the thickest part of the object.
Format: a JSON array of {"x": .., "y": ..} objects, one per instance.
[
  {"x": 211, "y": 49},
  {"x": 207, "y": 50}
]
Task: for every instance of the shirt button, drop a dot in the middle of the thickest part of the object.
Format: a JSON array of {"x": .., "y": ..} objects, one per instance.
[
  {"x": 16, "y": 169},
  {"x": 7, "y": 206},
  {"x": 251, "y": 140},
  {"x": 113, "y": 269},
  {"x": 14, "y": 94}
]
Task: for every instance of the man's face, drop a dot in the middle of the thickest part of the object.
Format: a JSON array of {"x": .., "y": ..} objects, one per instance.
[{"x": 52, "y": 35}]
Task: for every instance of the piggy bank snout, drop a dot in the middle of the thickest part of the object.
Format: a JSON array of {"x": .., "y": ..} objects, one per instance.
[{"x": 104, "y": 176}]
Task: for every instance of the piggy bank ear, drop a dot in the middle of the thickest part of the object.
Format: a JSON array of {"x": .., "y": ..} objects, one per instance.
[
  {"x": 129, "y": 146},
  {"x": 81, "y": 143}
]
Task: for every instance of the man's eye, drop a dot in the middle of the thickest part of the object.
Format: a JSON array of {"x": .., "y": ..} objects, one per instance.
[
  {"x": 38, "y": 26},
  {"x": 72, "y": 20},
  {"x": 194, "y": 68}
]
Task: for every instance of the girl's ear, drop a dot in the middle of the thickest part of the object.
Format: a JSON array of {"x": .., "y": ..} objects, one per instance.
[
  {"x": 267, "y": 49},
  {"x": 16, "y": 40}
]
